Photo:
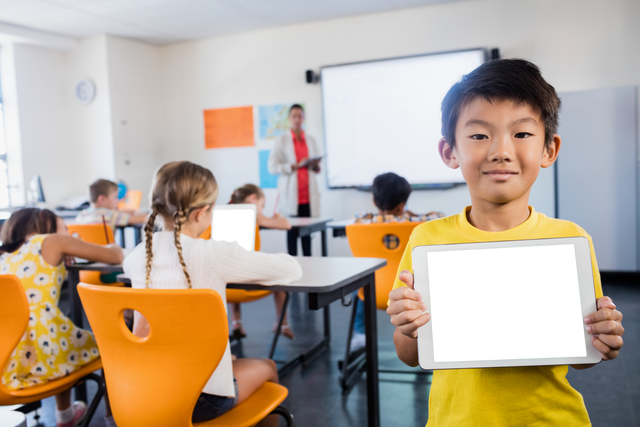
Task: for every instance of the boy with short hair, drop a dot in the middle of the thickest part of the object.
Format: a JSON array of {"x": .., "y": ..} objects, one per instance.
[
  {"x": 498, "y": 125},
  {"x": 390, "y": 195},
  {"x": 104, "y": 203}
]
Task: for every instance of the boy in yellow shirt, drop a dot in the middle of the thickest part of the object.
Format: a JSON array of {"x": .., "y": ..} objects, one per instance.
[{"x": 499, "y": 127}]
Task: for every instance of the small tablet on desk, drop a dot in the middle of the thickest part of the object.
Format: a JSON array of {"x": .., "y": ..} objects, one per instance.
[
  {"x": 498, "y": 304},
  {"x": 235, "y": 223}
]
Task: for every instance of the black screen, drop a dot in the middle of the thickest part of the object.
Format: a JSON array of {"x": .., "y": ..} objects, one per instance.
[
  {"x": 506, "y": 303},
  {"x": 234, "y": 224}
]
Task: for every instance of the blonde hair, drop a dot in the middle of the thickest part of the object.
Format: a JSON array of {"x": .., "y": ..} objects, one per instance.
[
  {"x": 178, "y": 189},
  {"x": 240, "y": 194}
]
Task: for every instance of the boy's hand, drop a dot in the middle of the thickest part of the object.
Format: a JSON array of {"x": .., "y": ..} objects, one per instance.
[
  {"x": 605, "y": 327},
  {"x": 406, "y": 308}
]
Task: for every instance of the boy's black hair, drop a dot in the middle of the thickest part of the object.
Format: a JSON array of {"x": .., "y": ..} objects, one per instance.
[
  {"x": 515, "y": 80},
  {"x": 295, "y": 106},
  {"x": 389, "y": 190}
]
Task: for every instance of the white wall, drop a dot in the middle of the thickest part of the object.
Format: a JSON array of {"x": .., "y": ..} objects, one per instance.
[
  {"x": 136, "y": 94},
  {"x": 579, "y": 44},
  {"x": 90, "y": 126},
  {"x": 11, "y": 116}
]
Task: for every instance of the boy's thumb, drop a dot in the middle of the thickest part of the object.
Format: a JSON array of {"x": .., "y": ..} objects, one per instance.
[{"x": 407, "y": 278}]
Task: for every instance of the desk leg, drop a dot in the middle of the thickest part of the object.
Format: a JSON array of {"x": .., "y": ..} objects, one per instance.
[
  {"x": 324, "y": 242},
  {"x": 327, "y": 323},
  {"x": 373, "y": 394},
  {"x": 138, "y": 235},
  {"x": 73, "y": 278}
]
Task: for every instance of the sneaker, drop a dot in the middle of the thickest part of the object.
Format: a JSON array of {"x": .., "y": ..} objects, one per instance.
[
  {"x": 358, "y": 341},
  {"x": 80, "y": 411}
]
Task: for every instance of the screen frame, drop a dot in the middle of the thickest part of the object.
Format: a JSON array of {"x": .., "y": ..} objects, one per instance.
[
  {"x": 423, "y": 186},
  {"x": 239, "y": 206},
  {"x": 585, "y": 285}
]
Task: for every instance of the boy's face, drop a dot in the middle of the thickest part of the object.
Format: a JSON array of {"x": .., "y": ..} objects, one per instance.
[
  {"x": 109, "y": 202},
  {"x": 499, "y": 149}
]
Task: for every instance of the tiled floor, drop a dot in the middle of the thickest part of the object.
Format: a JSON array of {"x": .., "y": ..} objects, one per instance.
[{"x": 611, "y": 390}]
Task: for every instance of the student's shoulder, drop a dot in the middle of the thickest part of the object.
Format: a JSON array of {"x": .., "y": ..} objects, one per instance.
[
  {"x": 434, "y": 231},
  {"x": 555, "y": 227}
]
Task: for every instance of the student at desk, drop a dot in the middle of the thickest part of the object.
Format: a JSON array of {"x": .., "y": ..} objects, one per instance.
[
  {"x": 183, "y": 196},
  {"x": 35, "y": 243},
  {"x": 104, "y": 206},
  {"x": 390, "y": 195}
]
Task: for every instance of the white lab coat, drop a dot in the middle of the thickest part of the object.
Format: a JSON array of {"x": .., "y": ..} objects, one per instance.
[{"x": 281, "y": 160}]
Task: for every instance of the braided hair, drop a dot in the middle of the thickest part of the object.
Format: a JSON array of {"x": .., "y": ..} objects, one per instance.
[{"x": 179, "y": 189}]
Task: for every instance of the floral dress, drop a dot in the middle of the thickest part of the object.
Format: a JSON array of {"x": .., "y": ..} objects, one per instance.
[{"x": 52, "y": 345}]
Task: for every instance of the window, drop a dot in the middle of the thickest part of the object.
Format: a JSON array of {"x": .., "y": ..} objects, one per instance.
[{"x": 4, "y": 182}]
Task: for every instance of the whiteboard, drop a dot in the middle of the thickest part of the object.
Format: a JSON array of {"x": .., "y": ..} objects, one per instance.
[{"x": 384, "y": 116}]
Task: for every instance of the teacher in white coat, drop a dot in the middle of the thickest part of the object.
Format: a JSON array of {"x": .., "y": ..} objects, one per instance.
[{"x": 299, "y": 196}]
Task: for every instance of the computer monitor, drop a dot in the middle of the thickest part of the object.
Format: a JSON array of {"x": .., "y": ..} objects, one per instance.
[{"x": 35, "y": 193}]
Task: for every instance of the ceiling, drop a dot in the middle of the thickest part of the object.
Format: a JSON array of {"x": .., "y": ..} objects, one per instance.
[{"x": 169, "y": 21}]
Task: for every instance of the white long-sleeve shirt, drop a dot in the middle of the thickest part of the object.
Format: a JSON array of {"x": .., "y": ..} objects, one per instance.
[{"x": 210, "y": 265}]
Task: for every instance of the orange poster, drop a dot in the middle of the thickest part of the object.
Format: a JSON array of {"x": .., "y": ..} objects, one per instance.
[{"x": 228, "y": 127}]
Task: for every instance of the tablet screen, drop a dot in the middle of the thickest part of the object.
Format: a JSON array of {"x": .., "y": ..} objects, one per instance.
[
  {"x": 234, "y": 225},
  {"x": 506, "y": 303}
]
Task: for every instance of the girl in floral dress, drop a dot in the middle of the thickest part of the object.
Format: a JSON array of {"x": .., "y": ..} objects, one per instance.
[{"x": 35, "y": 243}]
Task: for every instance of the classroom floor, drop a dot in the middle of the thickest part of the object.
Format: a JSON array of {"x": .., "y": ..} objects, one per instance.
[{"x": 611, "y": 390}]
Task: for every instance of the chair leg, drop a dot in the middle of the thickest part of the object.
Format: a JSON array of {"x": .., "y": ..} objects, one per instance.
[
  {"x": 279, "y": 328},
  {"x": 284, "y": 413},
  {"x": 96, "y": 399}
]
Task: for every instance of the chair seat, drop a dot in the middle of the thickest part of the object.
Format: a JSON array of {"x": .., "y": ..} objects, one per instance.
[
  {"x": 50, "y": 388},
  {"x": 240, "y": 295},
  {"x": 253, "y": 410}
]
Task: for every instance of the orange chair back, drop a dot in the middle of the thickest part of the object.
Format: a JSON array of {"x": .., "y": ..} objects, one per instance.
[
  {"x": 367, "y": 240},
  {"x": 92, "y": 233},
  {"x": 156, "y": 380},
  {"x": 131, "y": 201},
  {"x": 14, "y": 318}
]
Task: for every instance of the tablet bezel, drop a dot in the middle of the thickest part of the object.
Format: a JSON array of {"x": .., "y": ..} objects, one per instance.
[
  {"x": 239, "y": 206},
  {"x": 587, "y": 302}
]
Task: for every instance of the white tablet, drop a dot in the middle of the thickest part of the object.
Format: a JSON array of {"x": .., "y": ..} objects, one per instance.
[
  {"x": 497, "y": 304},
  {"x": 235, "y": 223}
]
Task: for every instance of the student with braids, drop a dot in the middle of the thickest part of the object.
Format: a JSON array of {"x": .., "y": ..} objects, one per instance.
[
  {"x": 182, "y": 198},
  {"x": 251, "y": 193}
]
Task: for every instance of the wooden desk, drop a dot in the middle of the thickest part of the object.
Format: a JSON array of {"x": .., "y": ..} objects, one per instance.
[
  {"x": 325, "y": 280},
  {"x": 306, "y": 226}
]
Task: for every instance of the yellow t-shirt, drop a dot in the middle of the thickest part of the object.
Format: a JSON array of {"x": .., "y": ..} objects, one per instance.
[{"x": 526, "y": 396}]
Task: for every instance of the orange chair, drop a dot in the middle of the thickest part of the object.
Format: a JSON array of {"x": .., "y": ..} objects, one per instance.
[
  {"x": 93, "y": 233},
  {"x": 14, "y": 318},
  {"x": 131, "y": 201},
  {"x": 367, "y": 240},
  {"x": 156, "y": 380},
  {"x": 371, "y": 240}
]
